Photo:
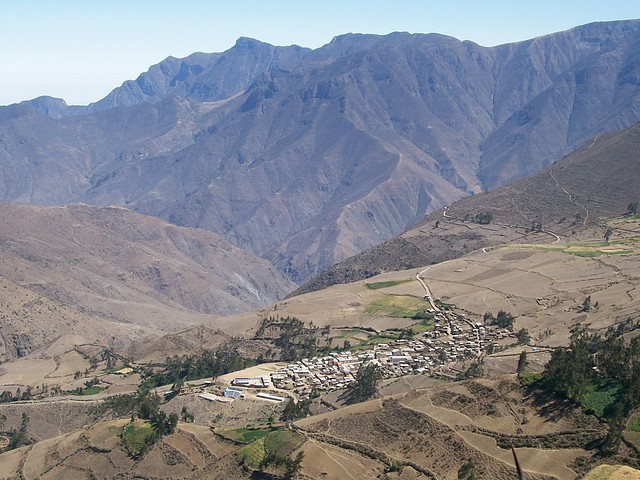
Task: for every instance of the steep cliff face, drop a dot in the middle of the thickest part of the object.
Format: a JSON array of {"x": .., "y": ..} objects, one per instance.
[{"x": 306, "y": 157}]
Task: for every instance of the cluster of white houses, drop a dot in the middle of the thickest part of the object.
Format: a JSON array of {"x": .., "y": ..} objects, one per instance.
[{"x": 453, "y": 338}]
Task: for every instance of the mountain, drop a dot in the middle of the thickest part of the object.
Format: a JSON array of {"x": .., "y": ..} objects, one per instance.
[
  {"x": 307, "y": 157},
  {"x": 203, "y": 77},
  {"x": 111, "y": 275},
  {"x": 595, "y": 183}
]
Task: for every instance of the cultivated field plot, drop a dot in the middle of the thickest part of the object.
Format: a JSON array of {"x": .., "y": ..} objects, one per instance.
[
  {"x": 97, "y": 452},
  {"x": 545, "y": 288},
  {"x": 440, "y": 428},
  {"x": 543, "y": 284}
]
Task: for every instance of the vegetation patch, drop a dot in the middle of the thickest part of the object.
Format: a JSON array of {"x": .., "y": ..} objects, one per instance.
[
  {"x": 243, "y": 435},
  {"x": 423, "y": 326},
  {"x": 137, "y": 437},
  {"x": 626, "y": 219},
  {"x": 391, "y": 335},
  {"x": 397, "y": 306},
  {"x": 253, "y": 454},
  {"x": 209, "y": 363},
  {"x": 600, "y": 396},
  {"x": 387, "y": 284},
  {"x": 582, "y": 249},
  {"x": 92, "y": 390},
  {"x": 275, "y": 445},
  {"x": 528, "y": 378},
  {"x": 282, "y": 442}
]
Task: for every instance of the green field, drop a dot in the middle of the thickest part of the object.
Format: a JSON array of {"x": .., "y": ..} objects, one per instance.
[
  {"x": 137, "y": 437},
  {"x": 243, "y": 435},
  {"x": 387, "y": 284},
  {"x": 423, "y": 326},
  {"x": 91, "y": 390},
  {"x": 252, "y": 454},
  {"x": 599, "y": 397},
  {"x": 397, "y": 306},
  {"x": 528, "y": 378},
  {"x": 595, "y": 249},
  {"x": 281, "y": 442}
]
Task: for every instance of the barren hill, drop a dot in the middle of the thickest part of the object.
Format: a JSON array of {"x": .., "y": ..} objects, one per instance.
[
  {"x": 114, "y": 275},
  {"x": 306, "y": 157},
  {"x": 596, "y": 182}
]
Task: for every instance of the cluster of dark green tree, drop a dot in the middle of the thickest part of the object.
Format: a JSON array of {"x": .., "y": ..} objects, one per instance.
[
  {"x": 287, "y": 467},
  {"x": 367, "y": 379},
  {"x": 295, "y": 410},
  {"x": 17, "y": 437},
  {"x": 144, "y": 405},
  {"x": 502, "y": 319},
  {"x": 209, "y": 363},
  {"x": 149, "y": 409},
  {"x": 8, "y": 396},
  {"x": 290, "y": 336},
  {"x": 483, "y": 218},
  {"x": 592, "y": 360}
]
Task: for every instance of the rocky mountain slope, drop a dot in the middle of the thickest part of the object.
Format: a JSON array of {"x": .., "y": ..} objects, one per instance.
[
  {"x": 114, "y": 276},
  {"x": 594, "y": 183},
  {"x": 308, "y": 157}
]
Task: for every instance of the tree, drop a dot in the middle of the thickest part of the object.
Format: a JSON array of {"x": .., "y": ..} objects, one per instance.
[
  {"x": 617, "y": 422},
  {"x": 367, "y": 380},
  {"x": 292, "y": 467},
  {"x": 502, "y": 320},
  {"x": 18, "y": 438},
  {"x": 570, "y": 370},
  {"x": 484, "y": 218},
  {"x": 186, "y": 416},
  {"x": 523, "y": 336},
  {"x": 536, "y": 226},
  {"x": 586, "y": 305},
  {"x": 442, "y": 355},
  {"x": 632, "y": 208},
  {"x": 294, "y": 411},
  {"x": 173, "y": 421},
  {"x": 475, "y": 370},
  {"x": 607, "y": 234},
  {"x": 523, "y": 362}
]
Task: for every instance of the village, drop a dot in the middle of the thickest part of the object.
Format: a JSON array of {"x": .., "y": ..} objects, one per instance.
[{"x": 453, "y": 339}]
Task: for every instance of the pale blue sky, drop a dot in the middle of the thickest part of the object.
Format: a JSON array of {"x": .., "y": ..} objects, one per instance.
[{"x": 80, "y": 50}]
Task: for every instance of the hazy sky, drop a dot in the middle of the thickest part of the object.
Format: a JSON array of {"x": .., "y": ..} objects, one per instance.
[{"x": 80, "y": 50}]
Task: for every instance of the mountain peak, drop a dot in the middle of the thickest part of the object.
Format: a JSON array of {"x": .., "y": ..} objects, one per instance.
[
  {"x": 249, "y": 43},
  {"x": 48, "y": 106}
]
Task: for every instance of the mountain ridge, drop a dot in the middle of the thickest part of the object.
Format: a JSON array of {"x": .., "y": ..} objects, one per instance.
[{"x": 324, "y": 153}]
